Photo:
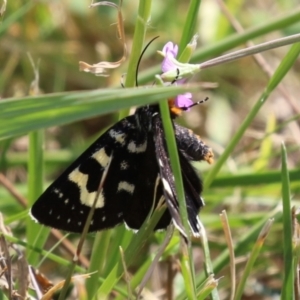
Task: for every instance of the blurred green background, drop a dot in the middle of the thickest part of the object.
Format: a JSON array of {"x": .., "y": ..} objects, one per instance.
[{"x": 59, "y": 34}]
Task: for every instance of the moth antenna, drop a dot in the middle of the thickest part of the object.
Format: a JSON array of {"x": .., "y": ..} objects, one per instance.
[
  {"x": 140, "y": 58},
  {"x": 196, "y": 103},
  {"x": 199, "y": 102}
]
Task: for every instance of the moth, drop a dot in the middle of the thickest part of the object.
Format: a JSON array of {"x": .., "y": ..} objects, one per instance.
[{"x": 133, "y": 154}]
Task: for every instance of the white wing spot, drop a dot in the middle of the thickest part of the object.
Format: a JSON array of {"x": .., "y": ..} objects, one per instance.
[
  {"x": 124, "y": 165},
  {"x": 56, "y": 191},
  {"x": 103, "y": 219},
  {"x": 195, "y": 233},
  {"x": 125, "y": 186},
  {"x": 160, "y": 162},
  {"x": 92, "y": 222},
  {"x": 120, "y": 215},
  {"x": 167, "y": 187},
  {"x": 58, "y": 217},
  {"x": 134, "y": 148},
  {"x": 117, "y": 136},
  {"x": 50, "y": 212},
  {"x": 79, "y": 223},
  {"x": 73, "y": 207},
  {"x": 202, "y": 200},
  {"x": 86, "y": 197},
  {"x": 81, "y": 211},
  {"x": 66, "y": 201},
  {"x": 60, "y": 195},
  {"x": 69, "y": 220},
  {"x": 101, "y": 157},
  {"x": 131, "y": 229},
  {"x": 179, "y": 228}
]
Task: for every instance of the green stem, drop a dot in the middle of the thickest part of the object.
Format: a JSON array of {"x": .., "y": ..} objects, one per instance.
[
  {"x": 144, "y": 13},
  {"x": 36, "y": 235}
]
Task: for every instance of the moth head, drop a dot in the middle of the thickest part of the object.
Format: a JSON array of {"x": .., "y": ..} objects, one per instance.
[{"x": 182, "y": 103}]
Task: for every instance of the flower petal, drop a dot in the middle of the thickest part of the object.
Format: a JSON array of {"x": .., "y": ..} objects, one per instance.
[
  {"x": 170, "y": 51},
  {"x": 184, "y": 101}
]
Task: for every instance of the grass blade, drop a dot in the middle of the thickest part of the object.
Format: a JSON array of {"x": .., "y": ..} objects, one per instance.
[
  {"x": 254, "y": 253},
  {"x": 280, "y": 72},
  {"x": 288, "y": 280}
]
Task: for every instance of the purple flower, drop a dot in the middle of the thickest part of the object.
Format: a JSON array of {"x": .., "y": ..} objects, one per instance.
[
  {"x": 184, "y": 101},
  {"x": 170, "y": 52}
]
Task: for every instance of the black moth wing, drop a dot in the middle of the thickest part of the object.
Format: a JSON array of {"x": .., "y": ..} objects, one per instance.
[
  {"x": 148, "y": 189},
  {"x": 192, "y": 187},
  {"x": 191, "y": 182},
  {"x": 67, "y": 201},
  {"x": 133, "y": 152},
  {"x": 127, "y": 192}
]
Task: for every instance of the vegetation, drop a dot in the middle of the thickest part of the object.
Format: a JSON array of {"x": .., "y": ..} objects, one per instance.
[{"x": 50, "y": 112}]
